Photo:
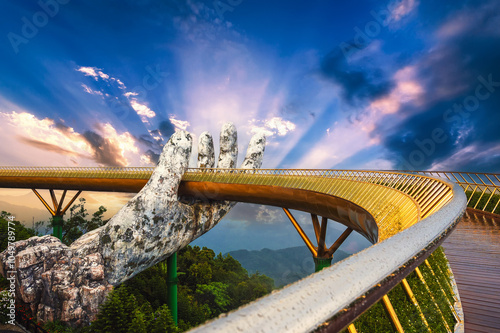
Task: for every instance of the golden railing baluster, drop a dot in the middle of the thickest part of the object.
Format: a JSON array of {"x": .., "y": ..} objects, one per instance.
[
  {"x": 472, "y": 195},
  {"x": 392, "y": 314},
  {"x": 421, "y": 277},
  {"x": 412, "y": 297},
  {"x": 442, "y": 290}
]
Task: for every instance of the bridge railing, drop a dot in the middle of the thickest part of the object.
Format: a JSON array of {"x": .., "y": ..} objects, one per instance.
[
  {"x": 78, "y": 172},
  {"x": 482, "y": 189},
  {"x": 395, "y": 200},
  {"x": 333, "y": 298},
  {"x": 414, "y": 214}
]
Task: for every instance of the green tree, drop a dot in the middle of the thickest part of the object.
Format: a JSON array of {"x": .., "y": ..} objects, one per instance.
[
  {"x": 209, "y": 285},
  {"x": 116, "y": 313},
  {"x": 19, "y": 232},
  {"x": 138, "y": 324},
  {"x": 150, "y": 286},
  {"x": 191, "y": 312},
  {"x": 163, "y": 322},
  {"x": 215, "y": 295},
  {"x": 77, "y": 224}
]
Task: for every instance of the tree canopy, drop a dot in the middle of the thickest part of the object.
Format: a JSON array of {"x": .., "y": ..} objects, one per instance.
[{"x": 20, "y": 231}]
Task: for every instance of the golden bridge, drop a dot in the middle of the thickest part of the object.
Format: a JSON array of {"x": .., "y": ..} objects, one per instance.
[{"x": 403, "y": 282}]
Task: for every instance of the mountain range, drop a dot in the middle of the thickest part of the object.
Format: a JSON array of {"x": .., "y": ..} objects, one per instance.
[{"x": 284, "y": 266}]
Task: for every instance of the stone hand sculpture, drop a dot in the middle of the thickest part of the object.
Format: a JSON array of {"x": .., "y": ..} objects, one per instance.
[{"x": 69, "y": 283}]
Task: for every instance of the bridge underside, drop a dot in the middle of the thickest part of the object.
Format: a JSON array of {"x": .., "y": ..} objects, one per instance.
[
  {"x": 340, "y": 210},
  {"x": 74, "y": 183}
]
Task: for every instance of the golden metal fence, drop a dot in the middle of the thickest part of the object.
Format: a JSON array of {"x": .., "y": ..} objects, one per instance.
[
  {"x": 395, "y": 200},
  {"x": 79, "y": 172},
  {"x": 482, "y": 189}
]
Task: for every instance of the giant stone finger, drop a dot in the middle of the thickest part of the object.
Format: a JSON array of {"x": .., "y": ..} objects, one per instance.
[
  {"x": 206, "y": 153},
  {"x": 228, "y": 146}
]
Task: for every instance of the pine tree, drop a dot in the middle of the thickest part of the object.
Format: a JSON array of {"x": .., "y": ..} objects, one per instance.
[
  {"x": 138, "y": 324},
  {"x": 117, "y": 312},
  {"x": 163, "y": 322}
]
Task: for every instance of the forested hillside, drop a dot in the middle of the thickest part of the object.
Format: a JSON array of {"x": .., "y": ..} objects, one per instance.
[{"x": 284, "y": 266}]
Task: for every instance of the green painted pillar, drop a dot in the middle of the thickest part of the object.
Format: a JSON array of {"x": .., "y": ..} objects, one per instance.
[
  {"x": 57, "y": 222},
  {"x": 320, "y": 263},
  {"x": 172, "y": 285}
]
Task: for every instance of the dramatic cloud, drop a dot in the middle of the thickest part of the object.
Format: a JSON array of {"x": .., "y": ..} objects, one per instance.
[
  {"x": 251, "y": 213},
  {"x": 359, "y": 82},
  {"x": 406, "y": 90},
  {"x": 104, "y": 145},
  {"x": 94, "y": 72},
  {"x": 142, "y": 110},
  {"x": 401, "y": 9},
  {"x": 271, "y": 127},
  {"x": 36, "y": 131},
  {"x": 90, "y": 91},
  {"x": 150, "y": 158},
  {"x": 48, "y": 147},
  {"x": 457, "y": 111},
  {"x": 179, "y": 124},
  {"x": 473, "y": 158},
  {"x": 269, "y": 215}
]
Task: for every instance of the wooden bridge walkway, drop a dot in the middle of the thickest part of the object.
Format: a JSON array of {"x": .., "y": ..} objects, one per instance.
[{"x": 473, "y": 250}]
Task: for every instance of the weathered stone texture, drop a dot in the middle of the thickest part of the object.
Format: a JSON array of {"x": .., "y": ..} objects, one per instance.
[
  {"x": 69, "y": 283},
  {"x": 206, "y": 153}
]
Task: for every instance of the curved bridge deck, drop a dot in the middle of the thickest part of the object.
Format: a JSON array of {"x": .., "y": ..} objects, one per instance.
[
  {"x": 473, "y": 251},
  {"x": 382, "y": 206}
]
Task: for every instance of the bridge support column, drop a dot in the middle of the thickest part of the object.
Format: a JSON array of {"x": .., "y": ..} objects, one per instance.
[
  {"x": 57, "y": 211},
  {"x": 320, "y": 263},
  {"x": 57, "y": 223},
  {"x": 172, "y": 285},
  {"x": 321, "y": 254}
]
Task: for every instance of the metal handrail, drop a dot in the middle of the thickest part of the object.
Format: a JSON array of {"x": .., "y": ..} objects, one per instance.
[
  {"x": 482, "y": 189},
  {"x": 78, "y": 172},
  {"x": 327, "y": 300}
]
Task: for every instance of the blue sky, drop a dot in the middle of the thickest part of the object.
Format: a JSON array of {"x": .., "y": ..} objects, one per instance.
[{"x": 400, "y": 84}]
